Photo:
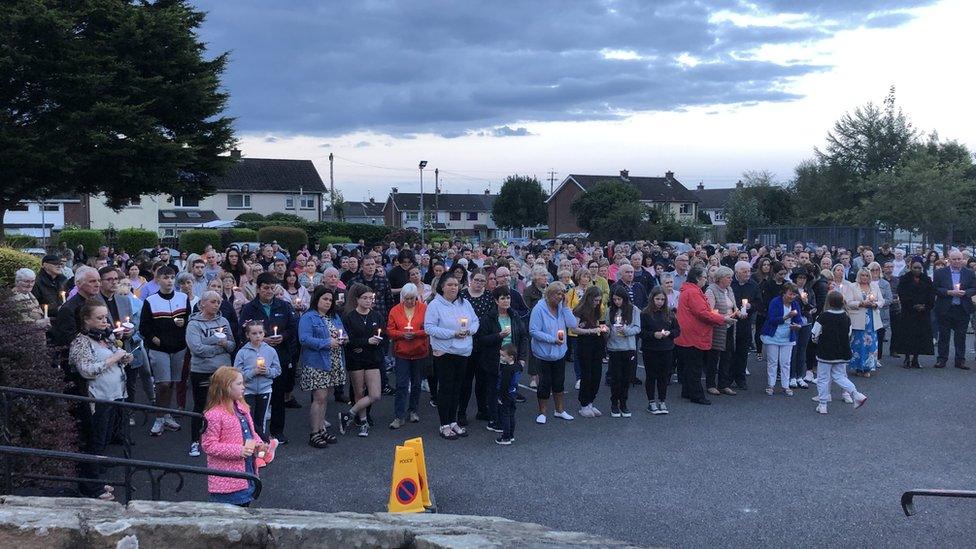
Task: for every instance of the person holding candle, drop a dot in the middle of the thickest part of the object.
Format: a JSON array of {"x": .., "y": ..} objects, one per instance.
[
  {"x": 482, "y": 303},
  {"x": 411, "y": 351},
  {"x": 498, "y": 328},
  {"x": 697, "y": 321},
  {"x": 659, "y": 328},
  {"x": 622, "y": 347},
  {"x": 779, "y": 332},
  {"x": 747, "y": 295},
  {"x": 231, "y": 293},
  {"x": 25, "y": 302},
  {"x": 364, "y": 355},
  {"x": 260, "y": 365},
  {"x": 913, "y": 329},
  {"x": 210, "y": 341},
  {"x": 450, "y": 322},
  {"x": 721, "y": 299},
  {"x": 887, "y": 296},
  {"x": 295, "y": 292},
  {"x": 373, "y": 277},
  {"x": 49, "y": 285},
  {"x": 808, "y": 309},
  {"x": 591, "y": 347},
  {"x": 548, "y": 324},
  {"x": 321, "y": 334},
  {"x": 162, "y": 325},
  {"x": 955, "y": 287},
  {"x": 280, "y": 323},
  {"x": 863, "y": 301},
  {"x": 137, "y": 371}
]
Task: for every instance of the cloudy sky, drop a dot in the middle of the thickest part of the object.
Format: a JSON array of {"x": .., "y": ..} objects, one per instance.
[{"x": 485, "y": 89}]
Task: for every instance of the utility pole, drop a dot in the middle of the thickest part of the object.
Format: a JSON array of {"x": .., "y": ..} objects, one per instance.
[
  {"x": 422, "y": 165},
  {"x": 437, "y": 192},
  {"x": 332, "y": 187},
  {"x": 552, "y": 179}
]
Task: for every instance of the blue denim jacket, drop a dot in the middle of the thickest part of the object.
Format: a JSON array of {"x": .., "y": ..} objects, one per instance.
[{"x": 313, "y": 334}]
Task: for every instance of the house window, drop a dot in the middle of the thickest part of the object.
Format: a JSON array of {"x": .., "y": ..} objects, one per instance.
[
  {"x": 472, "y": 216},
  {"x": 52, "y": 207},
  {"x": 411, "y": 216},
  {"x": 18, "y": 207},
  {"x": 169, "y": 232},
  {"x": 185, "y": 202},
  {"x": 134, "y": 203},
  {"x": 238, "y": 202},
  {"x": 455, "y": 216},
  {"x": 686, "y": 209},
  {"x": 718, "y": 215},
  {"x": 289, "y": 203},
  {"x": 307, "y": 201}
]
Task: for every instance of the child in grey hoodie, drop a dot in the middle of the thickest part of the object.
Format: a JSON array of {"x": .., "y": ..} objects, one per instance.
[
  {"x": 621, "y": 349},
  {"x": 210, "y": 342},
  {"x": 259, "y": 363}
]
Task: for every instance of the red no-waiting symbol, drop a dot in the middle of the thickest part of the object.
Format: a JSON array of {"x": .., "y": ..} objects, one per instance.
[{"x": 406, "y": 491}]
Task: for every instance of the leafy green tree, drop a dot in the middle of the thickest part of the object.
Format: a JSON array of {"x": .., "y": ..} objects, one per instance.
[
  {"x": 741, "y": 212},
  {"x": 339, "y": 213},
  {"x": 520, "y": 203},
  {"x": 776, "y": 202},
  {"x": 591, "y": 207},
  {"x": 108, "y": 97},
  {"x": 624, "y": 222}
]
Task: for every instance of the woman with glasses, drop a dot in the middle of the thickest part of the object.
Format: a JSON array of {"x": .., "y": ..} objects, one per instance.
[{"x": 364, "y": 355}]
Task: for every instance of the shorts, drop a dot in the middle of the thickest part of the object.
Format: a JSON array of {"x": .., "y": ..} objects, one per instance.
[
  {"x": 552, "y": 377},
  {"x": 166, "y": 367}
]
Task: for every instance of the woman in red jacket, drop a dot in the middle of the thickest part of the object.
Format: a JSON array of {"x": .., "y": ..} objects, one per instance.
[
  {"x": 697, "y": 321},
  {"x": 411, "y": 350}
]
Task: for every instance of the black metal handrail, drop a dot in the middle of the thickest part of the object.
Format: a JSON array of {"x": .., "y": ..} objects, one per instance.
[
  {"x": 908, "y": 498},
  {"x": 132, "y": 466}
]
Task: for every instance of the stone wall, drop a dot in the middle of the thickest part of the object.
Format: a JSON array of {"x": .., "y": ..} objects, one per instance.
[{"x": 55, "y": 523}]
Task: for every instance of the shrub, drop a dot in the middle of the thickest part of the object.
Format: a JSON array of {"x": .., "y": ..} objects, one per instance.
[
  {"x": 90, "y": 239},
  {"x": 280, "y": 216},
  {"x": 196, "y": 241},
  {"x": 243, "y": 235},
  {"x": 11, "y": 260},
  {"x": 409, "y": 236},
  {"x": 20, "y": 241},
  {"x": 250, "y": 216},
  {"x": 133, "y": 240},
  {"x": 291, "y": 238},
  {"x": 26, "y": 361},
  {"x": 330, "y": 239}
]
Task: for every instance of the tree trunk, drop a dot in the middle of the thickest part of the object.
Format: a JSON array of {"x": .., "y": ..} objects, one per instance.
[{"x": 3, "y": 226}]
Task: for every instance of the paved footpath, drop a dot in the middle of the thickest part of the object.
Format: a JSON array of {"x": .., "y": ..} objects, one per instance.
[{"x": 750, "y": 470}]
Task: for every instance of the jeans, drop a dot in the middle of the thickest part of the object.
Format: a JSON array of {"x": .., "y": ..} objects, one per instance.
[
  {"x": 200, "y": 384},
  {"x": 798, "y": 364},
  {"x": 259, "y": 412},
  {"x": 953, "y": 320},
  {"x": 622, "y": 367},
  {"x": 691, "y": 361},
  {"x": 836, "y": 371},
  {"x": 506, "y": 415},
  {"x": 658, "y": 367},
  {"x": 778, "y": 356},
  {"x": 408, "y": 374},
  {"x": 450, "y": 376},
  {"x": 589, "y": 354}
]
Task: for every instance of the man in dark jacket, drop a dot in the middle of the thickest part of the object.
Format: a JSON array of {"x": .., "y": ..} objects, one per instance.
[
  {"x": 50, "y": 284},
  {"x": 281, "y": 327},
  {"x": 66, "y": 326},
  {"x": 744, "y": 287}
]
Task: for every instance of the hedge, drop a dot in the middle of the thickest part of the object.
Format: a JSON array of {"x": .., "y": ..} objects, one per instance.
[
  {"x": 287, "y": 217},
  {"x": 133, "y": 240},
  {"x": 315, "y": 230},
  {"x": 20, "y": 241},
  {"x": 11, "y": 260},
  {"x": 243, "y": 235},
  {"x": 250, "y": 216},
  {"x": 196, "y": 241},
  {"x": 89, "y": 238},
  {"x": 291, "y": 238},
  {"x": 330, "y": 239}
]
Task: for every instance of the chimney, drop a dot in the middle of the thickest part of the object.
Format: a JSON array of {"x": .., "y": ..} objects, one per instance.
[
  {"x": 669, "y": 175},
  {"x": 738, "y": 184},
  {"x": 624, "y": 174},
  {"x": 701, "y": 186},
  {"x": 372, "y": 200},
  {"x": 235, "y": 153},
  {"x": 487, "y": 191},
  {"x": 395, "y": 190}
]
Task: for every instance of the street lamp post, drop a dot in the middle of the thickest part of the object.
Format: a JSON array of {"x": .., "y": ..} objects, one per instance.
[{"x": 423, "y": 164}]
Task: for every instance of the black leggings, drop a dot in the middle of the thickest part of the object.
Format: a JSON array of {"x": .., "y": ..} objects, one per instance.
[
  {"x": 590, "y": 350},
  {"x": 200, "y": 384},
  {"x": 658, "y": 366},
  {"x": 552, "y": 378},
  {"x": 622, "y": 367},
  {"x": 450, "y": 371}
]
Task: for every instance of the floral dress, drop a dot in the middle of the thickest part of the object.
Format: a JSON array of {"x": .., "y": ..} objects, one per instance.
[
  {"x": 864, "y": 345},
  {"x": 313, "y": 379}
]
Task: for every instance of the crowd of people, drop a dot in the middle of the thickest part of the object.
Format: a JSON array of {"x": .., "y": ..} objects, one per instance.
[{"x": 237, "y": 332}]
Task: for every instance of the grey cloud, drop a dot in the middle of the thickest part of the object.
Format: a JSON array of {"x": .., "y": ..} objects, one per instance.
[
  {"x": 888, "y": 20},
  {"x": 270, "y": 139},
  {"x": 361, "y": 144},
  {"x": 408, "y": 68},
  {"x": 325, "y": 146}
]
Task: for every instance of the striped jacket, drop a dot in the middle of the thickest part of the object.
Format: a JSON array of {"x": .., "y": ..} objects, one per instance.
[{"x": 157, "y": 320}]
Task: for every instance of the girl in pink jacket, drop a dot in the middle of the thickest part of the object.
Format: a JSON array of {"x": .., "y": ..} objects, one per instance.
[{"x": 230, "y": 441}]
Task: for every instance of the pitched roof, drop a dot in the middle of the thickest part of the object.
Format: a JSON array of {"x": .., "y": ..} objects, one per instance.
[
  {"x": 183, "y": 217},
  {"x": 714, "y": 199},
  {"x": 445, "y": 202},
  {"x": 271, "y": 175},
  {"x": 360, "y": 209},
  {"x": 651, "y": 189}
]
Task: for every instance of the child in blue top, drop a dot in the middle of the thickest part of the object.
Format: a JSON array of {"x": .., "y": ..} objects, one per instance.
[{"x": 259, "y": 363}]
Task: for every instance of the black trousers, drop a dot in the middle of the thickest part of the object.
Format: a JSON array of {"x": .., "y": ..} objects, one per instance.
[
  {"x": 278, "y": 390},
  {"x": 881, "y": 341},
  {"x": 200, "y": 385},
  {"x": 259, "y": 412},
  {"x": 590, "y": 350},
  {"x": 552, "y": 377},
  {"x": 692, "y": 363},
  {"x": 657, "y": 364},
  {"x": 473, "y": 374},
  {"x": 105, "y": 422},
  {"x": 957, "y": 321},
  {"x": 506, "y": 415},
  {"x": 622, "y": 367},
  {"x": 740, "y": 357},
  {"x": 450, "y": 371}
]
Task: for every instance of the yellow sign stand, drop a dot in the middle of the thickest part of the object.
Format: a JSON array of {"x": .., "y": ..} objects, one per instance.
[
  {"x": 405, "y": 488},
  {"x": 418, "y": 445}
]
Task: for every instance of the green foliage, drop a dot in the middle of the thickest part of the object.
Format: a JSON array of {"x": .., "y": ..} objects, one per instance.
[
  {"x": 196, "y": 241},
  {"x": 89, "y": 238},
  {"x": 668, "y": 228},
  {"x": 330, "y": 239},
  {"x": 250, "y": 216},
  {"x": 703, "y": 217},
  {"x": 290, "y": 218},
  {"x": 11, "y": 260},
  {"x": 290, "y": 238},
  {"x": 406, "y": 235},
  {"x": 520, "y": 203},
  {"x": 20, "y": 241},
  {"x": 623, "y": 222},
  {"x": 243, "y": 235},
  {"x": 354, "y": 231},
  {"x": 595, "y": 210},
  {"x": 133, "y": 240},
  {"x": 109, "y": 98},
  {"x": 742, "y": 211}
]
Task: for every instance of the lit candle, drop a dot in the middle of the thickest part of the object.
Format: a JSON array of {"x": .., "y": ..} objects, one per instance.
[
  {"x": 464, "y": 322},
  {"x": 260, "y": 362},
  {"x": 45, "y": 309},
  {"x": 409, "y": 327},
  {"x": 379, "y": 331},
  {"x": 957, "y": 286},
  {"x": 803, "y": 295},
  {"x": 560, "y": 334},
  {"x": 715, "y": 311},
  {"x": 118, "y": 326},
  {"x": 275, "y": 329},
  {"x": 341, "y": 335},
  {"x": 298, "y": 301},
  {"x": 745, "y": 303},
  {"x": 619, "y": 320},
  {"x": 61, "y": 293}
]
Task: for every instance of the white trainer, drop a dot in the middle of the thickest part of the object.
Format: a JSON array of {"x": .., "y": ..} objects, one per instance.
[
  {"x": 564, "y": 415},
  {"x": 821, "y": 408},
  {"x": 540, "y": 419},
  {"x": 585, "y": 412},
  {"x": 847, "y": 398},
  {"x": 596, "y": 411}
]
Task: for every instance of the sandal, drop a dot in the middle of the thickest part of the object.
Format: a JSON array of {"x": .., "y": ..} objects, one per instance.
[{"x": 318, "y": 440}]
